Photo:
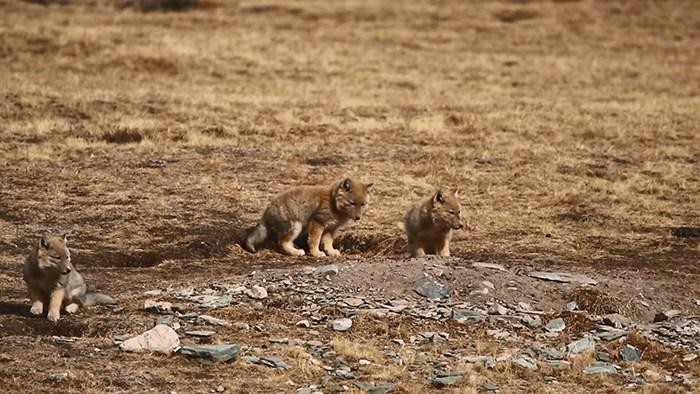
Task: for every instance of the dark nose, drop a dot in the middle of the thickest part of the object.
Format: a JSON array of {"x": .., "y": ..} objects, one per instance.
[
  {"x": 460, "y": 226},
  {"x": 66, "y": 271},
  {"x": 357, "y": 218}
]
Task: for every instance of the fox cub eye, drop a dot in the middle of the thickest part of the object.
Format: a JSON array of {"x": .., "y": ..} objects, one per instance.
[
  {"x": 364, "y": 204},
  {"x": 451, "y": 212}
]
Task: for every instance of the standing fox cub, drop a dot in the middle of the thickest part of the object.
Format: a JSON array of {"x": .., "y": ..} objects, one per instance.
[
  {"x": 429, "y": 224},
  {"x": 51, "y": 279},
  {"x": 319, "y": 210}
]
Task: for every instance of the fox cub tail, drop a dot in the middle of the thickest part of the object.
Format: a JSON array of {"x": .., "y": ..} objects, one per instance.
[
  {"x": 98, "y": 299},
  {"x": 255, "y": 237}
]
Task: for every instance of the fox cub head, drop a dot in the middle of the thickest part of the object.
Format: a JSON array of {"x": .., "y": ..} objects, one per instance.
[
  {"x": 351, "y": 197},
  {"x": 446, "y": 210},
  {"x": 53, "y": 254}
]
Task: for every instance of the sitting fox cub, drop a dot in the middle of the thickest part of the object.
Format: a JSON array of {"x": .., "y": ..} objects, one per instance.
[
  {"x": 429, "y": 224},
  {"x": 319, "y": 210},
  {"x": 51, "y": 279}
]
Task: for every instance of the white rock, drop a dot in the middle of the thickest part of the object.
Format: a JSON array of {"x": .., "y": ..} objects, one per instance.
[
  {"x": 161, "y": 338},
  {"x": 214, "y": 321},
  {"x": 342, "y": 324},
  {"x": 488, "y": 284},
  {"x": 257, "y": 292},
  {"x": 157, "y": 306}
]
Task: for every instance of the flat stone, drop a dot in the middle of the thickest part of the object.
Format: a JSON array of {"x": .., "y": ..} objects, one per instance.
[
  {"x": 616, "y": 320},
  {"x": 555, "y": 325},
  {"x": 364, "y": 362},
  {"x": 375, "y": 388},
  {"x": 600, "y": 370},
  {"x": 200, "y": 333},
  {"x": 548, "y": 353},
  {"x": 431, "y": 289},
  {"x": 274, "y": 362},
  {"x": 326, "y": 270},
  {"x": 571, "y": 306},
  {"x": 241, "y": 326},
  {"x": 609, "y": 333},
  {"x": 491, "y": 266},
  {"x": 558, "y": 364},
  {"x": 166, "y": 319},
  {"x": 666, "y": 315},
  {"x": 161, "y": 339},
  {"x": 689, "y": 357},
  {"x": 531, "y": 321},
  {"x": 524, "y": 306},
  {"x": 446, "y": 379},
  {"x": 468, "y": 316},
  {"x": 342, "y": 324},
  {"x": 490, "y": 387},
  {"x": 563, "y": 277},
  {"x": 153, "y": 293},
  {"x": 603, "y": 356},
  {"x": 217, "y": 302},
  {"x": 353, "y": 302},
  {"x": 58, "y": 376},
  {"x": 580, "y": 346},
  {"x": 158, "y": 306},
  {"x": 488, "y": 284},
  {"x": 213, "y": 320},
  {"x": 525, "y": 361},
  {"x": 256, "y": 292},
  {"x": 498, "y": 309},
  {"x": 303, "y": 323},
  {"x": 487, "y": 361},
  {"x": 630, "y": 353},
  {"x": 215, "y": 352}
]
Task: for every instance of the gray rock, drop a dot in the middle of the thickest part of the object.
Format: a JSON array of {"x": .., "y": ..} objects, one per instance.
[
  {"x": 217, "y": 302},
  {"x": 274, "y": 362},
  {"x": 524, "y": 306},
  {"x": 200, "y": 333},
  {"x": 353, "y": 302},
  {"x": 488, "y": 284},
  {"x": 525, "y": 361},
  {"x": 431, "y": 289},
  {"x": 213, "y": 320},
  {"x": 468, "y": 316},
  {"x": 498, "y": 309},
  {"x": 256, "y": 292},
  {"x": 282, "y": 341},
  {"x": 600, "y": 370},
  {"x": 165, "y": 319},
  {"x": 548, "y": 353},
  {"x": 571, "y": 306},
  {"x": 342, "y": 324},
  {"x": 158, "y": 306},
  {"x": 326, "y": 270},
  {"x": 666, "y": 315},
  {"x": 581, "y": 346},
  {"x": 241, "y": 326},
  {"x": 161, "y": 339},
  {"x": 555, "y": 325},
  {"x": 152, "y": 293},
  {"x": 563, "y": 277},
  {"x": 689, "y": 357},
  {"x": 214, "y": 352},
  {"x": 303, "y": 323},
  {"x": 375, "y": 389},
  {"x": 220, "y": 389},
  {"x": 533, "y": 321},
  {"x": 603, "y": 356},
  {"x": 489, "y": 387},
  {"x": 616, "y": 320},
  {"x": 490, "y": 266},
  {"x": 487, "y": 361},
  {"x": 630, "y": 353},
  {"x": 606, "y": 333},
  {"x": 444, "y": 379},
  {"x": 558, "y": 364}
]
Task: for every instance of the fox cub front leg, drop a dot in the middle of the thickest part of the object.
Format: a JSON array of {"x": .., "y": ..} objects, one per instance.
[
  {"x": 315, "y": 233},
  {"x": 327, "y": 240},
  {"x": 55, "y": 303},
  {"x": 37, "y": 304}
]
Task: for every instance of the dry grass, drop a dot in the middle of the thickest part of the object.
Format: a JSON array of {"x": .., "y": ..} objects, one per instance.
[
  {"x": 355, "y": 351},
  {"x": 154, "y": 138}
]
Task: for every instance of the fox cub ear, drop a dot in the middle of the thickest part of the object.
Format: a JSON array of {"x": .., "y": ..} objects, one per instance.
[
  {"x": 439, "y": 197},
  {"x": 44, "y": 241},
  {"x": 65, "y": 238},
  {"x": 368, "y": 187},
  {"x": 347, "y": 184}
]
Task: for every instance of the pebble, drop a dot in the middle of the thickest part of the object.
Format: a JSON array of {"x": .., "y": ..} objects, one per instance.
[
  {"x": 525, "y": 361},
  {"x": 353, "y": 302},
  {"x": 161, "y": 339},
  {"x": 630, "y": 353},
  {"x": 200, "y": 333},
  {"x": 580, "y": 346},
  {"x": 326, "y": 270},
  {"x": 431, "y": 289},
  {"x": 342, "y": 324},
  {"x": 599, "y": 370},
  {"x": 555, "y": 325},
  {"x": 257, "y": 292}
]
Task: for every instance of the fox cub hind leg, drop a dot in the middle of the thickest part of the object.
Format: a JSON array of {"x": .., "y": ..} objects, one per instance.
[{"x": 286, "y": 241}]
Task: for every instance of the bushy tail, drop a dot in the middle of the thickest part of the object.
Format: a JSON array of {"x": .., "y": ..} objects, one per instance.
[
  {"x": 98, "y": 299},
  {"x": 255, "y": 237}
]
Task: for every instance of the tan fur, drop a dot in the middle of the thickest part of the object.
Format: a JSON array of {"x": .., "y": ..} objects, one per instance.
[
  {"x": 51, "y": 279},
  {"x": 318, "y": 210},
  {"x": 429, "y": 224}
]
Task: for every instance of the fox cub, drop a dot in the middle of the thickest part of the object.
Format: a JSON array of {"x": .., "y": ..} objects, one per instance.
[
  {"x": 429, "y": 224},
  {"x": 52, "y": 279},
  {"x": 318, "y": 210}
]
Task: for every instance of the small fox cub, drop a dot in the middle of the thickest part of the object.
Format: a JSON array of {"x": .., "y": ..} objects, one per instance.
[
  {"x": 429, "y": 224},
  {"x": 318, "y": 210},
  {"x": 51, "y": 279}
]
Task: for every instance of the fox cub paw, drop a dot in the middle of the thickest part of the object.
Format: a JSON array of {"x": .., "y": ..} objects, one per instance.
[
  {"x": 72, "y": 308},
  {"x": 53, "y": 316},
  {"x": 317, "y": 253},
  {"x": 37, "y": 309},
  {"x": 333, "y": 252}
]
